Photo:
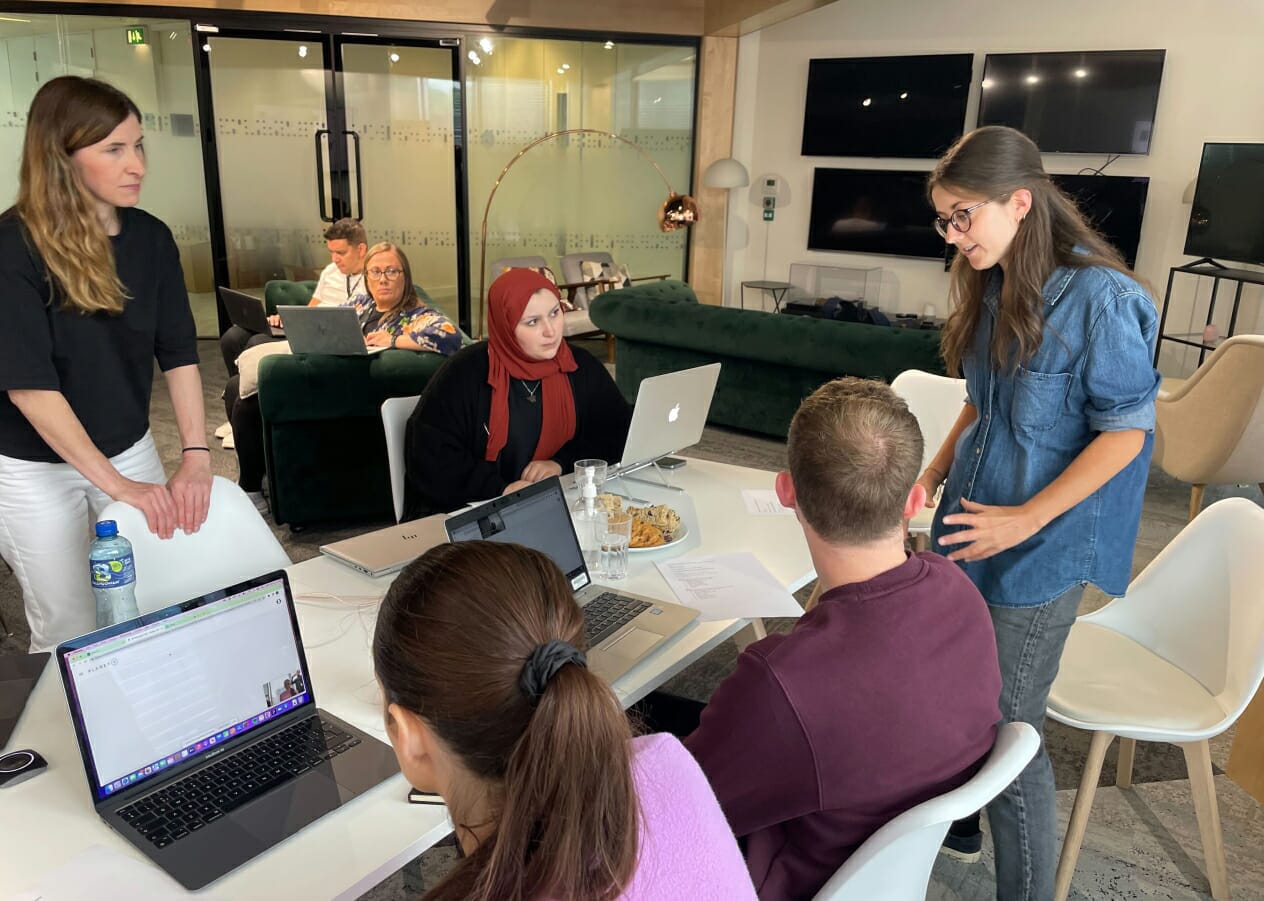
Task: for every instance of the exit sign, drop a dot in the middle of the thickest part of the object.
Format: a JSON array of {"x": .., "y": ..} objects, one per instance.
[
  {"x": 768, "y": 215},
  {"x": 136, "y": 34}
]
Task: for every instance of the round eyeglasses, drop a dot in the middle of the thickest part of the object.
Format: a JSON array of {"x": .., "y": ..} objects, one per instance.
[
  {"x": 391, "y": 274},
  {"x": 960, "y": 219}
]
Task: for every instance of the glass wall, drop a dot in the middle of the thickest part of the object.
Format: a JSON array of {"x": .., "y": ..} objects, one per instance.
[
  {"x": 158, "y": 75},
  {"x": 581, "y": 192}
]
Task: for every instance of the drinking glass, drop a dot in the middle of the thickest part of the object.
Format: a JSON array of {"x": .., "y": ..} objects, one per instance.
[
  {"x": 614, "y": 546},
  {"x": 593, "y": 471}
]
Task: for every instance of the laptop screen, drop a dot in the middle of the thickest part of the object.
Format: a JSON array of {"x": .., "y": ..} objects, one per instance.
[
  {"x": 181, "y": 682},
  {"x": 537, "y": 517}
]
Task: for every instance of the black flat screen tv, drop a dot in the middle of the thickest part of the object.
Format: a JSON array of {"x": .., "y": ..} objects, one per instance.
[
  {"x": 873, "y": 211},
  {"x": 904, "y": 106},
  {"x": 1114, "y": 204},
  {"x": 1227, "y": 218},
  {"x": 1100, "y": 101}
]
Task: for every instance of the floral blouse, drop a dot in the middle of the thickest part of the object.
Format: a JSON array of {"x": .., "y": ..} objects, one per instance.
[{"x": 423, "y": 324}]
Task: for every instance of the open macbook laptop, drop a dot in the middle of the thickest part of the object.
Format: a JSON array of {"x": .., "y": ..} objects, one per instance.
[
  {"x": 199, "y": 731},
  {"x": 622, "y": 629},
  {"x": 247, "y": 311},
  {"x": 389, "y": 550},
  {"x": 324, "y": 330},
  {"x": 670, "y": 414}
]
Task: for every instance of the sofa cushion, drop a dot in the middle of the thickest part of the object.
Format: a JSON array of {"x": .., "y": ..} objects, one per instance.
[
  {"x": 282, "y": 293},
  {"x": 306, "y": 387}
]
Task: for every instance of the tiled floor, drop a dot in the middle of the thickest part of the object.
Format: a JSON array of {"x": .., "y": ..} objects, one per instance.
[{"x": 1141, "y": 843}]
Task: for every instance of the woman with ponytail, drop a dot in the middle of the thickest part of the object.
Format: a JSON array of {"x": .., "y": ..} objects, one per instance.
[
  {"x": 1044, "y": 471},
  {"x": 516, "y": 409},
  {"x": 93, "y": 295},
  {"x": 479, "y": 650}
]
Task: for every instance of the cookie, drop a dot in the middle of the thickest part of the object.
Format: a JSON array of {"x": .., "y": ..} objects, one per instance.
[{"x": 612, "y": 502}]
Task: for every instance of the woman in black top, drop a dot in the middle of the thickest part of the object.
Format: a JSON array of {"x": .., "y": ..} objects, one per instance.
[
  {"x": 93, "y": 295},
  {"x": 516, "y": 409}
]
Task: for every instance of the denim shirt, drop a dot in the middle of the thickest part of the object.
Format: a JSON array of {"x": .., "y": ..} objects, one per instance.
[{"x": 1092, "y": 373}]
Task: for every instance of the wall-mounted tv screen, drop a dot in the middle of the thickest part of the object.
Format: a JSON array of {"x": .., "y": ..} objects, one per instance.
[
  {"x": 905, "y": 106},
  {"x": 1227, "y": 218},
  {"x": 1100, "y": 101},
  {"x": 1113, "y": 203},
  {"x": 873, "y": 211}
]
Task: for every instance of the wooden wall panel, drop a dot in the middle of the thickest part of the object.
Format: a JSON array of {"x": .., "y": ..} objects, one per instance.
[
  {"x": 717, "y": 83},
  {"x": 737, "y": 17}
]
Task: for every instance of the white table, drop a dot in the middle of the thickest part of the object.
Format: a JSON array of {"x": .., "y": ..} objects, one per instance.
[{"x": 49, "y": 819}]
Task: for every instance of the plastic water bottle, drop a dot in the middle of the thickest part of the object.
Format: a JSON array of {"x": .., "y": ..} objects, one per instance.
[
  {"x": 113, "y": 575},
  {"x": 589, "y": 518}
]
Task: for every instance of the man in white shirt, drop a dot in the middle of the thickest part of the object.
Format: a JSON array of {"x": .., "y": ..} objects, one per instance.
[{"x": 340, "y": 281}]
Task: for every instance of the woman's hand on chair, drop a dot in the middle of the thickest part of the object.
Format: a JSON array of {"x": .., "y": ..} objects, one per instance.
[
  {"x": 154, "y": 501},
  {"x": 190, "y": 490},
  {"x": 539, "y": 470}
]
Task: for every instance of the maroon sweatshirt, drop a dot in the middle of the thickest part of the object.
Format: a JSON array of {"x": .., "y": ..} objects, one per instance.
[{"x": 882, "y": 697}]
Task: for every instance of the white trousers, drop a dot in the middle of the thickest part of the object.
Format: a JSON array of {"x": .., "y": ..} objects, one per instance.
[{"x": 47, "y": 514}]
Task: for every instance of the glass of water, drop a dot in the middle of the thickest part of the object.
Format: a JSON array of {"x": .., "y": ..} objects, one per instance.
[{"x": 614, "y": 546}]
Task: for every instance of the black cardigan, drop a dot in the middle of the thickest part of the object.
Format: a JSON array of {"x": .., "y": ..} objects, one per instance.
[{"x": 446, "y": 437}]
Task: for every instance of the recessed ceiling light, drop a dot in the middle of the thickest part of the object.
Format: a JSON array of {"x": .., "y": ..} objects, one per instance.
[
  {"x": 1081, "y": 73},
  {"x": 487, "y": 45},
  {"x": 609, "y": 45},
  {"x": 904, "y": 95},
  {"x": 1032, "y": 79},
  {"x": 394, "y": 57},
  {"x": 866, "y": 101}
]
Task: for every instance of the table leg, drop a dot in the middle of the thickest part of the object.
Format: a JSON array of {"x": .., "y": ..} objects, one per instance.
[{"x": 752, "y": 633}]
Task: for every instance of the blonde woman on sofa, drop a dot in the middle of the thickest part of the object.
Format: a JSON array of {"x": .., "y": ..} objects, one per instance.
[
  {"x": 392, "y": 314},
  {"x": 518, "y": 408}
]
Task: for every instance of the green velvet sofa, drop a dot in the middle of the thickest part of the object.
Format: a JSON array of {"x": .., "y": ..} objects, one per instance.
[
  {"x": 322, "y": 425},
  {"x": 770, "y": 362}
]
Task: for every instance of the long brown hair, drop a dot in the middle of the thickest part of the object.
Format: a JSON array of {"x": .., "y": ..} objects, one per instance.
[
  {"x": 453, "y": 635},
  {"x": 993, "y": 162},
  {"x": 57, "y": 212}
]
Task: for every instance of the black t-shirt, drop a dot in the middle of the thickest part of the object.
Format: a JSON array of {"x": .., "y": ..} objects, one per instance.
[{"x": 102, "y": 364}]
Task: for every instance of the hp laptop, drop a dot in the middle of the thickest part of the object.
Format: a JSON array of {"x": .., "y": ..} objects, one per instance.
[
  {"x": 19, "y": 674},
  {"x": 622, "y": 629},
  {"x": 199, "y": 731},
  {"x": 324, "y": 330},
  {"x": 247, "y": 311},
  {"x": 391, "y": 549},
  {"x": 670, "y": 414}
]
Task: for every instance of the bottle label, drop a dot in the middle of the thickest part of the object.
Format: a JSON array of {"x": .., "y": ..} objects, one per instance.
[{"x": 113, "y": 573}]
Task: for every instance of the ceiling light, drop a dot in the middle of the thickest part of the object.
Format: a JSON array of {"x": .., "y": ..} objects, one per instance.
[
  {"x": 609, "y": 45},
  {"x": 394, "y": 57},
  {"x": 487, "y": 45},
  {"x": 566, "y": 65},
  {"x": 1081, "y": 73},
  {"x": 1032, "y": 79},
  {"x": 987, "y": 83},
  {"x": 904, "y": 96},
  {"x": 474, "y": 58},
  {"x": 561, "y": 71},
  {"x": 302, "y": 51},
  {"x": 658, "y": 99},
  {"x": 207, "y": 47},
  {"x": 866, "y": 101}
]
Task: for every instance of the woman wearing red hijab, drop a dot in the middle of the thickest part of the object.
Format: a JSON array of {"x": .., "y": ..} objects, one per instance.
[{"x": 520, "y": 407}]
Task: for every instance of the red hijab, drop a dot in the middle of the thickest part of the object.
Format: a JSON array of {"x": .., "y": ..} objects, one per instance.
[{"x": 507, "y": 298}]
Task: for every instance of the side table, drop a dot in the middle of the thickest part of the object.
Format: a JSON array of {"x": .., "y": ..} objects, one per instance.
[{"x": 776, "y": 289}]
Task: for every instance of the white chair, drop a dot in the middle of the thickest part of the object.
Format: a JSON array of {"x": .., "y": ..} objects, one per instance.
[
  {"x": 894, "y": 864},
  {"x": 1175, "y": 660},
  {"x": 935, "y": 401},
  {"x": 234, "y": 544},
  {"x": 395, "y": 413}
]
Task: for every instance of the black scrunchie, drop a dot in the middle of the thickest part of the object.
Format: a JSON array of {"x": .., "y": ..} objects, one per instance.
[{"x": 544, "y": 661}]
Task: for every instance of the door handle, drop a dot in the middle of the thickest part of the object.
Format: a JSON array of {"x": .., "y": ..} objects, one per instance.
[
  {"x": 321, "y": 198},
  {"x": 359, "y": 178}
]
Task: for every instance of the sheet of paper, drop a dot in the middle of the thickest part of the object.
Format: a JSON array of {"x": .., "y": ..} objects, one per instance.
[
  {"x": 763, "y": 502},
  {"x": 728, "y": 586},
  {"x": 105, "y": 875}
]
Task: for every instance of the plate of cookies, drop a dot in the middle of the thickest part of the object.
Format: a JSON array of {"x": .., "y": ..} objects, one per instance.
[{"x": 653, "y": 527}]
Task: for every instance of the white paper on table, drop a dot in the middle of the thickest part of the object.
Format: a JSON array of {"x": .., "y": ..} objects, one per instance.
[
  {"x": 728, "y": 586},
  {"x": 764, "y": 502},
  {"x": 105, "y": 875}
]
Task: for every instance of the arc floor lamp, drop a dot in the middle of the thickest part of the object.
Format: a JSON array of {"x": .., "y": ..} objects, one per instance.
[{"x": 676, "y": 212}]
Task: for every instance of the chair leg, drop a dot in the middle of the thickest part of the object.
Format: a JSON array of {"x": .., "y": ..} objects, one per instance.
[
  {"x": 752, "y": 633},
  {"x": 1123, "y": 772},
  {"x": 1079, "y": 813},
  {"x": 814, "y": 598},
  {"x": 609, "y": 348},
  {"x": 1195, "y": 500},
  {"x": 1198, "y": 761}
]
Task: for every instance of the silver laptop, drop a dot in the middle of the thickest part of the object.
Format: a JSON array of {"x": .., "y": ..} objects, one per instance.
[
  {"x": 670, "y": 414},
  {"x": 389, "y": 550},
  {"x": 324, "y": 330},
  {"x": 248, "y": 312},
  {"x": 199, "y": 732},
  {"x": 622, "y": 629}
]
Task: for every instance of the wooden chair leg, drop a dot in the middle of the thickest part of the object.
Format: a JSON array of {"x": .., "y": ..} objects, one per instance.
[
  {"x": 1123, "y": 772},
  {"x": 814, "y": 597},
  {"x": 1201, "y": 783},
  {"x": 1079, "y": 813},
  {"x": 752, "y": 633},
  {"x": 609, "y": 348},
  {"x": 1195, "y": 500}
]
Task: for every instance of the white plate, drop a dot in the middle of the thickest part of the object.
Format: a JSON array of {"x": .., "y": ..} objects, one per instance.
[{"x": 679, "y": 536}]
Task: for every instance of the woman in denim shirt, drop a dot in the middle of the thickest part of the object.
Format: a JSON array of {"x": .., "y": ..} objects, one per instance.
[{"x": 1046, "y": 466}]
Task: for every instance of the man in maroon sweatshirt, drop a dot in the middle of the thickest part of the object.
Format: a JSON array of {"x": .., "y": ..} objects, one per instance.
[{"x": 885, "y": 693}]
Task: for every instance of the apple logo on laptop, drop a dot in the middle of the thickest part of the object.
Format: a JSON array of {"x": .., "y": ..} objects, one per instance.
[{"x": 674, "y": 413}]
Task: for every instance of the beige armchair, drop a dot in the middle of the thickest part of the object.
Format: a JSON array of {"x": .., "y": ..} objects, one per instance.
[{"x": 1209, "y": 429}]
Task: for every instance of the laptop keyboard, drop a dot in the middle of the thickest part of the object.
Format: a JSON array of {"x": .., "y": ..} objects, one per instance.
[
  {"x": 188, "y": 804},
  {"x": 607, "y": 613}
]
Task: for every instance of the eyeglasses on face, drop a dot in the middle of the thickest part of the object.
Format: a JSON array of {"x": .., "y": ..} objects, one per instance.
[
  {"x": 389, "y": 274},
  {"x": 960, "y": 219}
]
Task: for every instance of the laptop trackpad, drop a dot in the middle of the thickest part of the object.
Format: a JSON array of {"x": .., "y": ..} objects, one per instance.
[
  {"x": 287, "y": 809},
  {"x": 633, "y": 644}
]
